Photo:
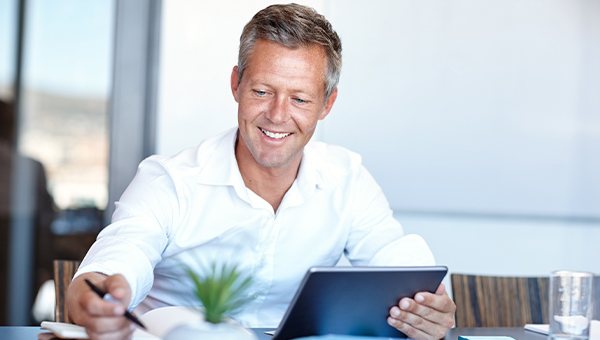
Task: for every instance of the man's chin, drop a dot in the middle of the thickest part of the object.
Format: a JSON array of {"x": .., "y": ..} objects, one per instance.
[
  {"x": 270, "y": 163},
  {"x": 274, "y": 161}
]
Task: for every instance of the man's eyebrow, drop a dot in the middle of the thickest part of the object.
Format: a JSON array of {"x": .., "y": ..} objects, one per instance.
[
  {"x": 302, "y": 93},
  {"x": 293, "y": 91},
  {"x": 261, "y": 83}
]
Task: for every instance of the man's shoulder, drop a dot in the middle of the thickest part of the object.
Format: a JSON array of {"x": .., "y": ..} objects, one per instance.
[
  {"x": 334, "y": 159},
  {"x": 191, "y": 161}
]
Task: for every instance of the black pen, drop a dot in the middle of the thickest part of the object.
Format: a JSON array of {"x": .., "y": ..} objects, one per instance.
[{"x": 102, "y": 294}]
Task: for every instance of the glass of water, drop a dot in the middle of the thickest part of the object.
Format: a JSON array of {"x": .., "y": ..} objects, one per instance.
[{"x": 570, "y": 305}]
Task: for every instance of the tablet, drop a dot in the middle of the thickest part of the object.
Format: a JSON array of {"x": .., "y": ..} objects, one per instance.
[{"x": 353, "y": 300}]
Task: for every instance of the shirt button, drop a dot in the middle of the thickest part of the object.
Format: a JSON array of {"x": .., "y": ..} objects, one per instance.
[{"x": 255, "y": 296}]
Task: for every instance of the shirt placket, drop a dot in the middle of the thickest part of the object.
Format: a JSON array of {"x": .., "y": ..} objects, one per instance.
[{"x": 263, "y": 269}]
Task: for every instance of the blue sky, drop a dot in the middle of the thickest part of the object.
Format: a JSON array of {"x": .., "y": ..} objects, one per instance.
[{"x": 68, "y": 45}]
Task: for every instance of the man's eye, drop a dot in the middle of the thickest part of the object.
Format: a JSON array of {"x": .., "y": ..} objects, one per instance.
[
  {"x": 299, "y": 101},
  {"x": 261, "y": 93}
]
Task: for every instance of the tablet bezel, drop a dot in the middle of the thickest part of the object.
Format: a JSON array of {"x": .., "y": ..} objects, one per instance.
[{"x": 328, "y": 299}]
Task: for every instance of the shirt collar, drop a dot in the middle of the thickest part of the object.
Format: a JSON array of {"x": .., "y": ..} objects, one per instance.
[
  {"x": 310, "y": 175},
  {"x": 221, "y": 167}
]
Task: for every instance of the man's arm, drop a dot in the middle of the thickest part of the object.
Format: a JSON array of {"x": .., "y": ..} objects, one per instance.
[
  {"x": 427, "y": 316},
  {"x": 378, "y": 238},
  {"x": 102, "y": 319}
]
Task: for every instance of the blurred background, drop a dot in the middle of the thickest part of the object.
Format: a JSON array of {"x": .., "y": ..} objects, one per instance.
[{"x": 480, "y": 120}]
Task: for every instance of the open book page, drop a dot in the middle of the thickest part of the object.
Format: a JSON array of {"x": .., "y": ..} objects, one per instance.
[
  {"x": 158, "y": 323},
  {"x": 544, "y": 329},
  {"x": 69, "y": 331},
  {"x": 161, "y": 320}
]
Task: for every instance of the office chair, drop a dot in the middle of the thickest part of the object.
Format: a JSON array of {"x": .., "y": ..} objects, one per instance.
[{"x": 491, "y": 301}]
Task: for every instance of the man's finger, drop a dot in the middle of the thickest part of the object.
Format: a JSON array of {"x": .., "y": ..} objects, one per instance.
[
  {"x": 409, "y": 308},
  {"x": 416, "y": 321},
  {"x": 122, "y": 333},
  {"x": 440, "y": 302},
  {"x": 410, "y": 331},
  {"x": 95, "y": 305},
  {"x": 117, "y": 287},
  {"x": 441, "y": 289},
  {"x": 118, "y": 324}
]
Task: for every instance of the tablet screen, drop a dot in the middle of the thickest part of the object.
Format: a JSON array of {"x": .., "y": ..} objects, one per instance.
[{"x": 353, "y": 300}]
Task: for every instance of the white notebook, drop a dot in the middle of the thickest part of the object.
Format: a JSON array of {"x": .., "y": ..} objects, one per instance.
[{"x": 157, "y": 321}]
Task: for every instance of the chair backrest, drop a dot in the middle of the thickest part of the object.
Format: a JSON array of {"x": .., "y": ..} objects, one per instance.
[
  {"x": 489, "y": 301},
  {"x": 63, "y": 274}
]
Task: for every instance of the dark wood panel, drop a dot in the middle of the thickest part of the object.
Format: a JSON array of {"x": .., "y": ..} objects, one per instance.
[
  {"x": 63, "y": 274},
  {"x": 487, "y": 301}
]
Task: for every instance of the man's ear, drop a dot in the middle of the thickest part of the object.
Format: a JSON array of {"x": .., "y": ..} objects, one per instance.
[
  {"x": 328, "y": 104},
  {"x": 234, "y": 84}
]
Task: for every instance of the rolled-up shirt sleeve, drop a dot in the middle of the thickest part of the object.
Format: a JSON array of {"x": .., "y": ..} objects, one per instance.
[
  {"x": 133, "y": 243},
  {"x": 376, "y": 238}
]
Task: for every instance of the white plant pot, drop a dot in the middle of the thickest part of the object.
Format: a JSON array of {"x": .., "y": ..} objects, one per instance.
[{"x": 226, "y": 330}]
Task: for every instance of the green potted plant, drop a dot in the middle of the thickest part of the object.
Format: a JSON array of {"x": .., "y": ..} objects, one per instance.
[{"x": 221, "y": 290}]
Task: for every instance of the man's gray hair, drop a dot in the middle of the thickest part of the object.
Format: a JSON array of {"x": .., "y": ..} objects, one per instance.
[{"x": 293, "y": 26}]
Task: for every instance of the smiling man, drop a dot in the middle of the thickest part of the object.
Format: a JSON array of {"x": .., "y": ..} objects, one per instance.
[
  {"x": 260, "y": 194},
  {"x": 281, "y": 98}
]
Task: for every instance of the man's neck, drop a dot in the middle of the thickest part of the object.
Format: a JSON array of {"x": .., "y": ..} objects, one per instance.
[{"x": 269, "y": 183}]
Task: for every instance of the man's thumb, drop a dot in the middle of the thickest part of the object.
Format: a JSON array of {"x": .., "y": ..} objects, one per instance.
[{"x": 118, "y": 288}]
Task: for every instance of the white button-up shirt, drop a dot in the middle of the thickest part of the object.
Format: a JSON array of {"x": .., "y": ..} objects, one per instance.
[{"x": 193, "y": 209}]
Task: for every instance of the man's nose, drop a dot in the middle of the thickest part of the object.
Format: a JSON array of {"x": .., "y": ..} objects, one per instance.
[{"x": 279, "y": 111}]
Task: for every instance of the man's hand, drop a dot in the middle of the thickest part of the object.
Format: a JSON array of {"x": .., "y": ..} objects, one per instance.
[
  {"x": 427, "y": 316},
  {"x": 102, "y": 319}
]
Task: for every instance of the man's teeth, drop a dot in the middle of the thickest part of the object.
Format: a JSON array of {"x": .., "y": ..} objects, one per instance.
[{"x": 274, "y": 135}]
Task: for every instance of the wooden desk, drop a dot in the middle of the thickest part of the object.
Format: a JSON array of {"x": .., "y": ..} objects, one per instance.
[{"x": 30, "y": 333}]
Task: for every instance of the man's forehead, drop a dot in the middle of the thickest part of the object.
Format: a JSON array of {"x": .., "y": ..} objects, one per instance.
[
  {"x": 268, "y": 54},
  {"x": 316, "y": 50}
]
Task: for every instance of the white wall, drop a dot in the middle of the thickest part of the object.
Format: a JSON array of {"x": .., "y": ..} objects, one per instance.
[
  {"x": 465, "y": 89},
  {"x": 507, "y": 246},
  {"x": 473, "y": 106}
]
